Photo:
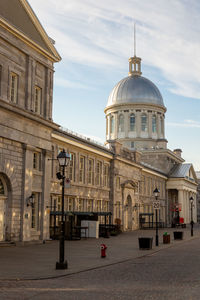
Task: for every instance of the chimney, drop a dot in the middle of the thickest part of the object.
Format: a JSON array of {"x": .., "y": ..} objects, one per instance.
[{"x": 177, "y": 152}]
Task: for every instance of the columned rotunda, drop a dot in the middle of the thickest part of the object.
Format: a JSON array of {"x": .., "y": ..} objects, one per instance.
[{"x": 135, "y": 112}]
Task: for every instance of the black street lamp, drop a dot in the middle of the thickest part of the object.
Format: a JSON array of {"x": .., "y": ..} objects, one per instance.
[
  {"x": 63, "y": 159},
  {"x": 156, "y": 194},
  {"x": 192, "y": 222}
]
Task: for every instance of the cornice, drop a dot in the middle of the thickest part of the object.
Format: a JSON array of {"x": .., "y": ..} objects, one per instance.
[
  {"x": 27, "y": 114},
  {"x": 139, "y": 105},
  {"x": 90, "y": 148}
]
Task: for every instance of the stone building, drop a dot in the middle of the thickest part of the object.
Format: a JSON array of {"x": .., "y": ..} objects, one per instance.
[
  {"x": 135, "y": 117},
  {"x": 198, "y": 196},
  {"x": 27, "y": 56},
  {"x": 106, "y": 182}
]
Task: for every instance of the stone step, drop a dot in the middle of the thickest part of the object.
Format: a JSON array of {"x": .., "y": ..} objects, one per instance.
[{"x": 7, "y": 244}]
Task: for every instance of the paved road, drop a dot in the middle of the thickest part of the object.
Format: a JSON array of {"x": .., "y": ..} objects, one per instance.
[{"x": 172, "y": 273}]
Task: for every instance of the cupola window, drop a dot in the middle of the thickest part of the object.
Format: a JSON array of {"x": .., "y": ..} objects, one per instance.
[
  {"x": 132, "y": 122},
  {"x": 121, "y": 124},
  {"x": 144, "y": 122},
  {"x": 154, "y": 129},
  {"x": 112, "y": 124}
]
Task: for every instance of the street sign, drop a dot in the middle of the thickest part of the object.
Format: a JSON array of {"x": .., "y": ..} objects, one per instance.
[{"x": 156, "y": 204}]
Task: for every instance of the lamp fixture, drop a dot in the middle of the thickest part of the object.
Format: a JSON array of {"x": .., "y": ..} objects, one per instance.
[{"x": 30, "y": 200}]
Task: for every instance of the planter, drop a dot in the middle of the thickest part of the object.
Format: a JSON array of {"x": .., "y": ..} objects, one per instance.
[
  {"x": 145, "y": 243},
  {"x": 166, "y": 239},
  {"x": 178, "y": 235}
]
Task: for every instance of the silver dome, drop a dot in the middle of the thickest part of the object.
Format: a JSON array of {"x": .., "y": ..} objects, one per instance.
[{"x": 135, "y": 89}]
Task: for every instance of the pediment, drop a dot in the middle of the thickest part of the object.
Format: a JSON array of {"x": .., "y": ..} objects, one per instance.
[
  {"x": 129, "y": 184},
  {"x": 20, "y": 16}
]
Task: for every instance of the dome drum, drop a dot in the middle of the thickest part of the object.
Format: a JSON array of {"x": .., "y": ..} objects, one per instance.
[{"x": 135, "y": 111}]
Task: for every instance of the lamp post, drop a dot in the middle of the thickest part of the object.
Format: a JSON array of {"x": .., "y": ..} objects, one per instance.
[
  {"x": 192, "y": 223},
  {"x": 63, "y": 159},
  {"x": 156, "y": 206}
]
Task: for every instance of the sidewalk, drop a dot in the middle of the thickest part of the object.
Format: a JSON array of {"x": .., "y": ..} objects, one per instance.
[{"x": 33, "y": 262}]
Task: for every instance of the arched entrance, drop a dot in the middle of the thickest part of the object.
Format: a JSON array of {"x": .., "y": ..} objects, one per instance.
[
  {"x": 128, "y": 213},
  {"x": 3, "y": 206}
]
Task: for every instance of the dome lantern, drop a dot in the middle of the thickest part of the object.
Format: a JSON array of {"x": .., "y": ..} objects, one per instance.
[{"x": 135, "y": 66}]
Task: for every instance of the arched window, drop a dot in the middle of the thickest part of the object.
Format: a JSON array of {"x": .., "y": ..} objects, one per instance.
[
  {"x": 121, "y": 124},
  {"x": 154, "y": 129},
  {"x": 132, "y": 122},
  {"x": 112, "y": 124},
  {"x": 144, "y": 122},
  {"x": 2, "y": 192}
]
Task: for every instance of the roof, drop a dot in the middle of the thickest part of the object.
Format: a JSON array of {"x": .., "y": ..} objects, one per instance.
[
  {"x": 135, "y": 89},
  {"x": 181, "y": 171},
  {"x": 19, "y": 15}
]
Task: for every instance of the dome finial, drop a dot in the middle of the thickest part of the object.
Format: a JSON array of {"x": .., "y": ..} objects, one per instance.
[
  {"x": 135, "y": 62},
  {"x": 134, "y": 41}
]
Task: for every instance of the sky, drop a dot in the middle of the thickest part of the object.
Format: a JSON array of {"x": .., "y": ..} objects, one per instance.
[{"x": 95, "y": 40}]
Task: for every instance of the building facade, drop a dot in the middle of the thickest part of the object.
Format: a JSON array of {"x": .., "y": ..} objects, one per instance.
[{"x": 114, "y": 181}]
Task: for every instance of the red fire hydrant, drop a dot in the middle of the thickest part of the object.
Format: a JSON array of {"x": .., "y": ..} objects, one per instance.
[{"x": 103, "y": 250}]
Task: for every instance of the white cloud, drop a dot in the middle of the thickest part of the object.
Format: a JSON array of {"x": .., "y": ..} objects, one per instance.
[
  {"x": 99, "y": 34},
  {"x": 71, "y": 84},
  {"x": 185, "y": 124}
]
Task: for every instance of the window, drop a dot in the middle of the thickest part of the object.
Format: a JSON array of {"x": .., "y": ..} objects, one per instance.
[
  {"x": 118, "y": 209},
  {"x": 90, "y": 205},
  {"x": 144, "y": 122},
  {"x": 2, "y": 192},
  {"x": 37, "y": 161},
  {"x": 91, "y": 171},
  {"x": 13, "y": 87},
  {"x": 59, "y": 207},
  {"x": 72, "y": 166},
  {"x": 80, "y": 205},
  {"x": 37, "y": 102},
  {"x": 71, "y": 204},
  {"x": 105, "y": 175},
  {"x": 98, "y": 173},
  {"x": 132, "y": 145},
  {"x": 121, "y": 124},
  {"x": 132, "y": 122},
  {"x": 82, "y": 169},
  {"x": 154, "y": 129},
  {"x": 112, "y": 124},
  {"x": 98, "y": 205}
]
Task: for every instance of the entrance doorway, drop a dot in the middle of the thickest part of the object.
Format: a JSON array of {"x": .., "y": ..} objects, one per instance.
[{"x": 3, "y": 203}]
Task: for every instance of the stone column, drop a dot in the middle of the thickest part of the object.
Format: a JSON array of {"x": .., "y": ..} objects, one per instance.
[
  {"x": 115, "y": 126},
  {"x": 26, "y": 192},
  {"x": 108, "y": 127},
  {"x": 187, "y": 207},
  {"x": 138, "y": 123},
  {"x": 45, "y": 197},
  {"x": 181, "y": 202},
  {"x": 158, "y": 126},
  {"x": 150, "y": 124},
  {"x": 126, "y": 123}
]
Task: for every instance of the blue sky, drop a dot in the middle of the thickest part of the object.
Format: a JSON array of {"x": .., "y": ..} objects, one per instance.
[{"x": 95, "y": 40}]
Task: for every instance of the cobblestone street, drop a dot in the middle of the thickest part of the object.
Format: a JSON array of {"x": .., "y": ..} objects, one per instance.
[{"x": 172, "y": 273}]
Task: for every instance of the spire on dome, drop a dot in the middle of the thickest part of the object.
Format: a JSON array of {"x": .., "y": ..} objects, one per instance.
[{"x": 135, "y": 62}]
